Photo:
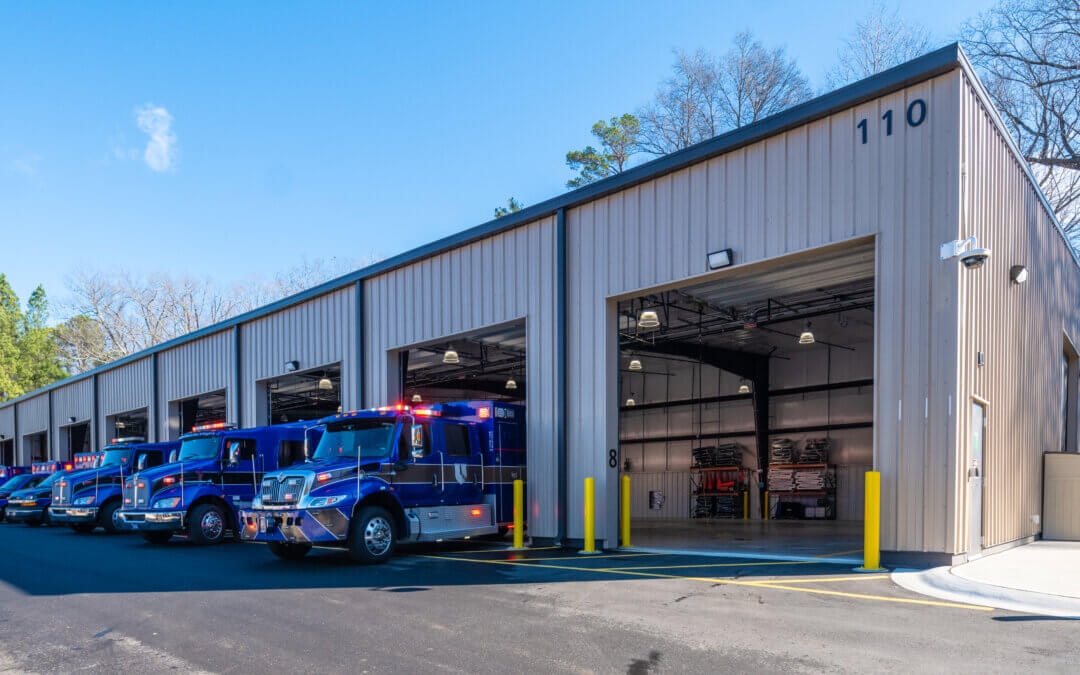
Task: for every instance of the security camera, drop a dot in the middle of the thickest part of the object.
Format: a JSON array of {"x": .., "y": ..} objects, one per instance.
[{"x": 975, "y": 258}]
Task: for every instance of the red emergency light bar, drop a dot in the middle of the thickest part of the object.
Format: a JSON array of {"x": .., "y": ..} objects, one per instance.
[
  {"x": 216, "y": 426},
  {"x": 45, "y": 467},
  {"x": 428, "y": 412},
  {"x": 400, "y": 407}
]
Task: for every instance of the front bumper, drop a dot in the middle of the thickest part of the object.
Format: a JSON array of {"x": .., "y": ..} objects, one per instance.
[
  {"x": 153, "y": 521},
  {"x": 25, "y": 514},
  {"x": 73, "y": 514},
  {"x": 302, "y": 526}
]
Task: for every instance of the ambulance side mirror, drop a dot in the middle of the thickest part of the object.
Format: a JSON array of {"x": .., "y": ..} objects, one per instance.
[
  {"x": 417, "y": 441},
  {"x": 141, "y": 463},
  {"x": 173, "y": 456}
]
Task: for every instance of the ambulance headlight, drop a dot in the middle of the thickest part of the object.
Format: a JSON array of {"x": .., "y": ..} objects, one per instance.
[
  {"x": 170, "y": 503},
  {"x": 83, "y": 501},
  {"x": 319, "y": 502}
]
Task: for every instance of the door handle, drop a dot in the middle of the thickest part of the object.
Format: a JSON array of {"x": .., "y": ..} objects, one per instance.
[{"x": 973, "y": 472}]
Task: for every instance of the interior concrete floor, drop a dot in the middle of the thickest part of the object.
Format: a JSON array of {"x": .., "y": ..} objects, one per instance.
[{"x": 839, "y": 539}]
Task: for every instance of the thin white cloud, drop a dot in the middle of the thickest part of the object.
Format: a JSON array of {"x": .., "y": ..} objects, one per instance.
[{"x": 156, "y": 122}]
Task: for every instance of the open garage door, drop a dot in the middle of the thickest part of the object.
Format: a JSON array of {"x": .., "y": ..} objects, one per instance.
[
  {"x": 130, "y": 424},
  {"x": 7, "y": 452},
  {"x": 746, "y": 408},
  {"x": 199, "y": 410},
  {"x": 485, "y": 365},
  {"x": 309, "y": 395},
  {"x": 37, "y": 446},
  {"x": 74, "y": 438}
]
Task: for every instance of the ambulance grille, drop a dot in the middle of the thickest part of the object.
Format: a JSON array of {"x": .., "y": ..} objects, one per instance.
[
  {"x": 279, "y": 492},
  {"x": 136, "y": 493},
  {"x": 61, "y": 492}
]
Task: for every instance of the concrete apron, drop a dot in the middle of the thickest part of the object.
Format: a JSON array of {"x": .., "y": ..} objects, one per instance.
[{"x": 1039, "y": 578}]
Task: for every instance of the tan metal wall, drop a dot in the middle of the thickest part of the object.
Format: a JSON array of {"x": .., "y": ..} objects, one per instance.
[
  {"x": 317, "y": 333},
  {"x": 1020, "y": 330},
  {"x": 123, "y": 389},
  {"x": 503, "y": 278},
  {"x": 7, "y": 422},
  {"x": 33, "y": 418},
  {"x": 809, "y": 187},
  {"x": 194, "y": 368},
  {"x": 72, "y": 400},
  {"x": 1061, "y": 496}
]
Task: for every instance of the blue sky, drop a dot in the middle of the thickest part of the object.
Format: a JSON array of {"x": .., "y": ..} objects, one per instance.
[{"x": 231, "y": 140}]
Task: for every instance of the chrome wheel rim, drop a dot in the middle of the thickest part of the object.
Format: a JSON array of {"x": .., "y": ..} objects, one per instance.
[
  {"x": 378, "y": 535},
  {"x": 117, "y": 521},
  {"x": 212, "y": 525}
]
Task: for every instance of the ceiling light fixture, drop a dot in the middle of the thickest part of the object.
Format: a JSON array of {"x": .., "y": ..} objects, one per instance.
[
  {"x": 325, "y": 384},
  {"x": 648, "y": 319},
  {"x": 807, "y": 336},
  {"x": 635, "y": 364},
  {"x": 451, "y": 357},
  {"x": 744, "y": 387},
  {"x": 416, "y": 398},
  {"x": 630, "y": 401},
  {"x": 511, "y": 383}
]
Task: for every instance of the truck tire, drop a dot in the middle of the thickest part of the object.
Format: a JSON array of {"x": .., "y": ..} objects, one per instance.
[
  {"x": 83, "y": 528},
  {"x": 156, "y": 538},
  {"x": 107, "y": 517},
  {"x": 372, "y": 536},
  {"x": 288, "y": 551},
  {"x": 207, "y": 525}
]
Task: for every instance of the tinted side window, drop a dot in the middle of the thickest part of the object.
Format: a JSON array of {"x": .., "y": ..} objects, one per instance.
[
  {"x": 152, "y": 459},
  {"x": 457, "y": 440},
  {"x": 247, "y": 447},
  {"x": 290, "y": 452}
]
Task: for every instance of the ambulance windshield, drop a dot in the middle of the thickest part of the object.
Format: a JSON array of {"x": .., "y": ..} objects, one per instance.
[{"x": 363, "y": 439}]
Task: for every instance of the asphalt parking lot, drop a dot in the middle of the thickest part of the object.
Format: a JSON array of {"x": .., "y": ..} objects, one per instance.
[{"x": 96, "y": 602}]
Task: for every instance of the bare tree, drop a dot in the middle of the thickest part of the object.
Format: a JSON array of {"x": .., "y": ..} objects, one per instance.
[
  {"x": 880, "y": 40},
  {"x": 115, "y": 313},
  {"x": 706, "y": 96},
  {"x": 1028, "y": 54}
]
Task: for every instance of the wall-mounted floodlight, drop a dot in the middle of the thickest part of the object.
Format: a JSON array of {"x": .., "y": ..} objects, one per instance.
[
  {"x": 720, "y": 259},
  {"x": 967, "y": 251},
  {"x": 71, "y": 419},
  {"x": 292, "y": 366},
  {"x": 1018, "y": 274}
]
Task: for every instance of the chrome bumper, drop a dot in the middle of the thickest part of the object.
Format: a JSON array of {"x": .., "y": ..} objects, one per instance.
[
  {"x": 73, "y": 514},
  {"x": 146, "y": 521}
]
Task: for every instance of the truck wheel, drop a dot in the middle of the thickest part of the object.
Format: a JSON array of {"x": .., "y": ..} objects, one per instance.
[
  {"x": 157, "y": 538},
  {"x": 289, "y": 551},
  {"x": 83, "y": 528},
  {"x": 372, "y": 538},
  {"x": 109, "y": 517},
  {"x": 207, "y": 524}
]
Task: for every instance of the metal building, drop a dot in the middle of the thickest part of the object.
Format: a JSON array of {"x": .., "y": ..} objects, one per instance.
[{"x": 762, "y": 295}]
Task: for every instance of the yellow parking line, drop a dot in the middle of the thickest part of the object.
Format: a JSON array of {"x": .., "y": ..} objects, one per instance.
[
  {"x": 821, "y": 591},
  {"x": 821, "y": 580},
  {"x": 732, "y": 582},
  {"x": 753, "y": 564},
  {"x": 503, "y": 550},
  {"x": 567, "y": 557},
  {"x": 833, "y": 555}
]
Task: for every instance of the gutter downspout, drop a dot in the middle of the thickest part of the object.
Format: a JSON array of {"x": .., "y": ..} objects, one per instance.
[{"x": 560, "y": 372}]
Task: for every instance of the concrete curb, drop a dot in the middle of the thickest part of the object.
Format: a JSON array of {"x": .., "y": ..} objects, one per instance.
[{"x": 941, "y": 583}]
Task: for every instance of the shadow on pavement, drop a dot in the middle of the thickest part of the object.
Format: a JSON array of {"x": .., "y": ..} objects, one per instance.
[{"x": 56, "y": 561}]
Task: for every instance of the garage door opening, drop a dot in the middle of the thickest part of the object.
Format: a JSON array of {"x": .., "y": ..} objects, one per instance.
[
  {"x": 7, "y": 452},
  {"x": 485, "y": 365},
  {"x": 309, "y": 395},
  {"x": 130, "y": 424},
  {"x": 37, "y": 446},
  {"x": 746, "y": 409},
  {"x": 198, "y": 410},
  {"x": 74, "y": 438}
]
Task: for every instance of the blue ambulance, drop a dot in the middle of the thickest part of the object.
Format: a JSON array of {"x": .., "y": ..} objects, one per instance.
[
  {"x": 91, "y": 495},
  {"x": 216, "y": 473},
  {"x": 13, "y": 478},
  {"x": 30, "y": 503},
  {"x": 388, "y": 475}
]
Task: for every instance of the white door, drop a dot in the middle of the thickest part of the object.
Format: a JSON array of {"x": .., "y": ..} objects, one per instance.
[{"x": 975, "y": 478}]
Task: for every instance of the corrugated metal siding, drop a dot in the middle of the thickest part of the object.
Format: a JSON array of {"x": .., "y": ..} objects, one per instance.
[
  {"x": 33, "y": 415},
  {"x": 73, "y": 400},
  {"x": 316, "y": 333},
  {"x": 1061, "y": 499},
  {"x": 7, "y": 421},
  {"x": 198, "y": 367},
  {"x": 503, "y": 278},
  {"x": 129, "y": 387},
  {"x": 809, "y": 187},
  {"x": 1020, "y": 329}
]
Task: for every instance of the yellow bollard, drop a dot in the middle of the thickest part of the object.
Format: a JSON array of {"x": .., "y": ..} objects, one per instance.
[
  {"x": 745, "y": 505},
  {"x": 626, "y": 511},
  {"x": 872, "y": 524},
  {"x": 766, "y": 505},
  {"x": 590, "y": 516},
  {"x": 519, "y": 514}
]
